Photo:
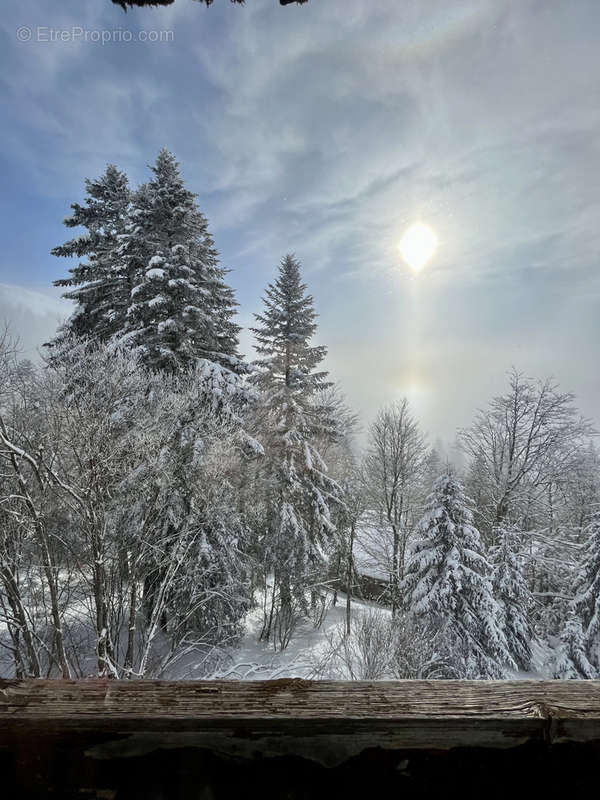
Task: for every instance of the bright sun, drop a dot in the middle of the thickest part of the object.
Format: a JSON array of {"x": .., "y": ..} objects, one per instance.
[{"x": 418, "y": 245}]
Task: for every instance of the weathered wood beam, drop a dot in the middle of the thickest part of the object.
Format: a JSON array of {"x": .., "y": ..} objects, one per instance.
[{"x": 322, "y": 720}]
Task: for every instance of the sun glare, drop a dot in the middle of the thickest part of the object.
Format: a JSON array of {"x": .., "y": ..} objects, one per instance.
[{"x": 418, "y": 245}]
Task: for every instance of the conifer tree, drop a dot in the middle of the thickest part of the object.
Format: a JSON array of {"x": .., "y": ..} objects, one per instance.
[
  {"x": 572, "y": 661},
  {"x": 181, "y": 308},
  {"x": 587, "y": 599},
  {"x": 512, "y": 594},
  {"x": 580, "y": 652},
  {"x": 299, "y": 492},
  {"x": 97, "y": 284},
  {"x": 447, "y": 583}
]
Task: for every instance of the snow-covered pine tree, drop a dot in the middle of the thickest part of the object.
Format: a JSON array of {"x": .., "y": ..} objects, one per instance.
[
  {"x": 580, "y": 652},
  {"x": 299, "y": 491},
  {"x": 512, "y": 594},
  {"x": 587, "y": 598},
  {"x": 188, "y": 542},
  {"x": 97, "y": 284},
  {"x": 572, "y": 662},
  {"x": 447, "y": 583},
  {"x": 181, "y": 308}
]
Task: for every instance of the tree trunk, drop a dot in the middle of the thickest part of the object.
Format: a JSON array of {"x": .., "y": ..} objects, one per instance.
[
  {"x": 132, "y": 619},
  {"x": 17, "y": 608},
  {"x": 395, "y": 568},
  {"x": 349, "y": 575},
  {"x": 48, "y": 567},
  {"x": 106, "y": 667}
]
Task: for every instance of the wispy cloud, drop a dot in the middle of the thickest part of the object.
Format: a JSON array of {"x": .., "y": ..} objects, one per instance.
[{"x": 31, "y": 315}]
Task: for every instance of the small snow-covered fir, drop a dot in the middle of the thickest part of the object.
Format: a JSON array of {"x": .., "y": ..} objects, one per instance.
[
  {"x": 447, "y": 580},
  {"x": 513, "y": 596},
  {"x": 579, "y": 654}
]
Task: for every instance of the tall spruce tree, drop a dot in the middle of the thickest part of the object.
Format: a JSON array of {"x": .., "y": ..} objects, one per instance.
[
  {"x": 299, "y": 491},
  {"x": 447, "y": 583},
  {"x": 97, "y": 284},
  {"x": 512, "y": 594},
  {"x": 181, "y": 309}
]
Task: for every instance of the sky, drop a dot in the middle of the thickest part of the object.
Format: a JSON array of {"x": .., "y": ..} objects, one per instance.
[{"x": 326, "y": 130}]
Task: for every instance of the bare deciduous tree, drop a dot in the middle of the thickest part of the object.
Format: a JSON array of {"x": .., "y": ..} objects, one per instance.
[
  {"x": 396, "y": 453},
  {"x": 119, "y": 540},
  {"x": 526, "y": 440},
  {"x": 26, "y": 487}
]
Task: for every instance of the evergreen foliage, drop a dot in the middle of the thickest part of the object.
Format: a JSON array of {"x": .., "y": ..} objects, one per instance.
[
  {"x": 97, "y": 284},
  {"x": 447, "y": 582},
  {"x": 151, "y": 280},
  {"x": 579, "y": 656},
  {"x": 512, "y": 594},
  {"x": 587, "y": 598},
  {"x": 181, "y": 309},
  {"x": 299, "y": 526},
  {"x": 572, "y": 661}
]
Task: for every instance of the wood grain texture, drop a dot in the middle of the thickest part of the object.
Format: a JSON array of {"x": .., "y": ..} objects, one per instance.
[
  {"x": 326, "y": 721},
  {"x": 203, "y": 701}
]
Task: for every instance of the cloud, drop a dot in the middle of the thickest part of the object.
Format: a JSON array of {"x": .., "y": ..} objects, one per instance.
[{"x": 32, "y": 316}]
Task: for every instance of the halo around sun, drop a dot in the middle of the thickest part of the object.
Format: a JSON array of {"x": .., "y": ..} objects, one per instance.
[{"x": 418, "y": 245}]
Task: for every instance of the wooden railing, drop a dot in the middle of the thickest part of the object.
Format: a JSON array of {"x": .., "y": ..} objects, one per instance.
[{"x": 324, "y": 722}]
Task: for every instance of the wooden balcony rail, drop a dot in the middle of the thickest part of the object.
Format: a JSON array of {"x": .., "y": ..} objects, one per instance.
[{"x": 62, "y": 733}]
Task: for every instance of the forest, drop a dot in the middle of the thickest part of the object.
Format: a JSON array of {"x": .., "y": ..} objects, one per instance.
[{"x": 158, "y": 489}]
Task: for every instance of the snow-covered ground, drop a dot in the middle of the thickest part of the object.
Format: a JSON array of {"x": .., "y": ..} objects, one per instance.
[
  {"x": 307, "y": 652},
  {"x": 307, "y": 655},
  {"x": 303, "y": 658}
]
